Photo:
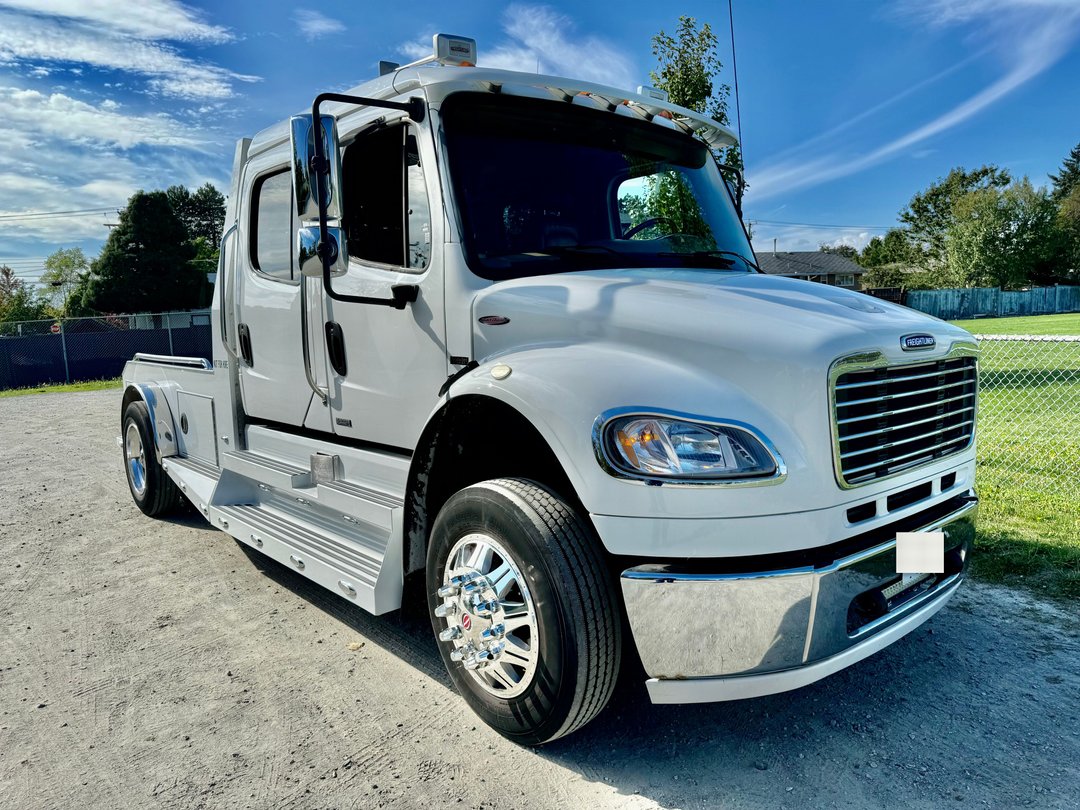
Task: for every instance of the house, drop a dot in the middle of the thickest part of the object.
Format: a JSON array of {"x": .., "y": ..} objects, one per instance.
[{"x": 812, "y": 265}]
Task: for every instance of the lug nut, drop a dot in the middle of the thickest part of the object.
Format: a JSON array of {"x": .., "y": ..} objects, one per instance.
[
  {"x": 485, "y": 608},
  {"x": 460, "y": 653},
  {"x": 450, "y": 633},
  {"x": 496, "y": 649},
  {"x": 476, "y": 659},
  {"x": 450, "y": 589},
  {"x": 495, "y": 631},
  {"x": 446, "y": 609},
  {"x": 473, "y": 587}
]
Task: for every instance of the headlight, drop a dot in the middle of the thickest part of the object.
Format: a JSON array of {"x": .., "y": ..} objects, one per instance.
[{"x": 662, "y": 447}]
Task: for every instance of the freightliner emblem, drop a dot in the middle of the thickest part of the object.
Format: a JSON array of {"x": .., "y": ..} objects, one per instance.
[{"x": 914, "y": 343}]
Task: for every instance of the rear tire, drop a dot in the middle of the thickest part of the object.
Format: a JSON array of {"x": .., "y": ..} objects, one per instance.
[
  {"x": 151, "y": 488},
  {"x": 547, "y": 617}
]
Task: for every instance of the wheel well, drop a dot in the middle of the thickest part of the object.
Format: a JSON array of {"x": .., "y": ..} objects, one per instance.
[{"x": 467, "y": 442}]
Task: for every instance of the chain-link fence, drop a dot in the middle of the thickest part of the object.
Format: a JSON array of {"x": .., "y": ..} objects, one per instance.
[
  {"x": 75, "y": 349},
  {"x": 1029, "y": 413}
]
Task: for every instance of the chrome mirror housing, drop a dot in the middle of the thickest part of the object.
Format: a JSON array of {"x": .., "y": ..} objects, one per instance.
[
  {"x": 303, "y": 154},
  {"x": 308, "y": 258}
]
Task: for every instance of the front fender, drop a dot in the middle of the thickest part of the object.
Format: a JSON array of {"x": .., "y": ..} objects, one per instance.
[{"x": 562, "y": 390}]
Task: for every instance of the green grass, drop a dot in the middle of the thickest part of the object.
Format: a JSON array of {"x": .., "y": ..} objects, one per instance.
[
  {"x": 1029, "y": 466},
  {"x": 58, "y": 388},
  {"x": 1068, "y": 324}
]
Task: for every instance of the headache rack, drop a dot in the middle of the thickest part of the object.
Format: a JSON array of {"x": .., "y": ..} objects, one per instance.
[{"x": 887, "y": 419}]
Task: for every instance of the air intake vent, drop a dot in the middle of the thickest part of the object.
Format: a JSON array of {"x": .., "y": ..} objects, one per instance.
[{"x": 889, "y": 419}]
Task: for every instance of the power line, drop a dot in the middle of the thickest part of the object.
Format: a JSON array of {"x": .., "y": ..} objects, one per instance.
[
  {"x": 78, "y": 212},
  {"x": 821, "y": 225}
]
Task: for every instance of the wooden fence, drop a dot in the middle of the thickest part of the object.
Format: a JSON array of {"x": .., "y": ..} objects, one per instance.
[{"x": 991, "y": 302}]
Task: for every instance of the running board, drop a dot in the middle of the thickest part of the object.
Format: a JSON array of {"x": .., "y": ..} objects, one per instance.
[
  {"x": 354, "y": 559},
  {"x": 197, "y": 479}
]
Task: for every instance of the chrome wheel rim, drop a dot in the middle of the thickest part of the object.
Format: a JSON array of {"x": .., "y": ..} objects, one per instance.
[
  {"x": 490, "y": 616},
  {"x": 135, "y": 454}
]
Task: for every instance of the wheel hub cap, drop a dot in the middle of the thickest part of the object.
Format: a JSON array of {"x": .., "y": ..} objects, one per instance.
[
  {"x": 135, "y": 454},
  {"x": 490, "y": 616}
]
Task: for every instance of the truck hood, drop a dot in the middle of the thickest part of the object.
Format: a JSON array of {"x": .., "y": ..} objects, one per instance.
[{"x": 720, "y": 319}]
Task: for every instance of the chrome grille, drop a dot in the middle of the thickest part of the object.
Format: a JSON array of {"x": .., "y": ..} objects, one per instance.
[{"x": 887, "y": 419}]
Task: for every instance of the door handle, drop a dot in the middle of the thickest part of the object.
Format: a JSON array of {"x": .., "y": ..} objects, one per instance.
[
  {"x": 335, "y": 347},
  {"x": 243, "y": 339},
  {"x": 319, "y": 392}
]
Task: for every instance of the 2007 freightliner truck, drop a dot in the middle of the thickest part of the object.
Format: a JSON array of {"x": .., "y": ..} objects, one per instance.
[{"x": 506, "y": 332}]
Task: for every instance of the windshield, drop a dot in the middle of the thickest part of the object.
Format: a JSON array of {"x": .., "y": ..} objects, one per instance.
[{"x": 547, "y": 187}]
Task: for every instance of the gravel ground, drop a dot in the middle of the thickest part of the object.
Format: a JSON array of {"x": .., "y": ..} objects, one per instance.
[{"x": 154, "y": 663}]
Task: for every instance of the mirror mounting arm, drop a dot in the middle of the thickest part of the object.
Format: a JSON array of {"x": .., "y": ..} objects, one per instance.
[{"x": 402, "y": 294}]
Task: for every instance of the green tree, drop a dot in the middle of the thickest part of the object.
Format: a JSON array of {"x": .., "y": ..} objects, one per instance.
[
  {"x": 847, "y": 251},
  {"x": 1003, "y": 237},
  {"x": 145, "y": 265},
  {"x": 1068, "y": 224},
  {"x": 8, "y": 283},
  {"x": 1068, "y": 179},
  {"x": 201, "y": 211},
  {"x": 930, "y": 212},
  {"x": 687, "y": 69},
  {"x": 892, "y": 248},
  {"x": 884, "y": 275},
  {"x": 19, "y": 301},
  {"x": 63, "y": 269}
]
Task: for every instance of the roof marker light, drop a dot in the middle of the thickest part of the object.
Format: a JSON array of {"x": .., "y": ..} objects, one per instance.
[{"x": 652, "y": 92}]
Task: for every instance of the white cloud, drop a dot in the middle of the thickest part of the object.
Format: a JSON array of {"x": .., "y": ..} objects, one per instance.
[
  {"x": 539, "y": 37},
  {"x": 145, "y": 19},
  {"x": 539, "y": 32},
  {"x": 1030, "y": 35},
  {"x": 31, "y": 115},
  {"x": 32, "y": 37},
  {"x": 314, "y": 24},
  {"x": 798, "y": 237}
]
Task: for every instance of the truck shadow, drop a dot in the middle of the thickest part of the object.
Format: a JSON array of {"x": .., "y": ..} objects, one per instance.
[{"x": 692, "y": 755}]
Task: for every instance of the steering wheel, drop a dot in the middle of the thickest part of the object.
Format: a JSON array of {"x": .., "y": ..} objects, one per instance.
[{"x": 648, "y": 223}]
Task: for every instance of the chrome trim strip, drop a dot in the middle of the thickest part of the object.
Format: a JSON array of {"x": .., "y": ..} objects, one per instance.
[
  {"x": 170, "y": 360},
  {"x": 895, "y": 411},
  {"x": 916, "y": 454},
  {"x": 864, "y": 361},
  {"x": 902, "y": 379},
  {"x": 889, "y": 397},
  {"x": 600, "y": 450},
  {"x": 899, "y": 427},
  {"x": 887, "y": 445}
]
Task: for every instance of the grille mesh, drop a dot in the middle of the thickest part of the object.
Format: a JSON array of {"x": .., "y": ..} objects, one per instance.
[{"x": 892, "y": 418}]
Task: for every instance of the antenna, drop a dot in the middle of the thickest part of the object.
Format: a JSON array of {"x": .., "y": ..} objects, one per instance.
[{"x": 735, "y": 71}]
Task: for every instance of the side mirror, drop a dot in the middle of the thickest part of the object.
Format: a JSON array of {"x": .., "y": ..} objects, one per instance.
[{"x": 303, "y": 153}]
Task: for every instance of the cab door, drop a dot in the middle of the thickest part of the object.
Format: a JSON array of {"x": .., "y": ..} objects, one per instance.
[
  {"x": 273, "y": 383},
  {"x": 388, "y": 364}
]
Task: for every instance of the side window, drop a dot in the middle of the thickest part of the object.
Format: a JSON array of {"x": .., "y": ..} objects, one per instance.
[
  {"x": 272, "y": 226},
  {"x": 378, "y": 169}
]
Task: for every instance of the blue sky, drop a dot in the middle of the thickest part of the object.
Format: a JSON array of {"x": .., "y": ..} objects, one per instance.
[{"x": 848, "y": 106}]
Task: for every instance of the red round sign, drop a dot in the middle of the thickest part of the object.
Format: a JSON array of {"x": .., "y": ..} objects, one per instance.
[{"x": 55, "y": 329}]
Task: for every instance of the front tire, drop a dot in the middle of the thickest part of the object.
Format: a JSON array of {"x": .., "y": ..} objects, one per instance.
[
  {"x": 151, "y": 488},
  {"x": 524, "y": 609}
]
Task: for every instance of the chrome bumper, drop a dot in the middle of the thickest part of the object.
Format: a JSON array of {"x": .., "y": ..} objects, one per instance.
[{"x": 708, "y": 637}]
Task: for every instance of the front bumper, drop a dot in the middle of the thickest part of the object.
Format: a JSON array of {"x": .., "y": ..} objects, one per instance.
[{"x": 705, "y": 636}]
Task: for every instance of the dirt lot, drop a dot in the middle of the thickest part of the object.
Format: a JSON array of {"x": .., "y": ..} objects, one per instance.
[{"x": 158, "y": 664}]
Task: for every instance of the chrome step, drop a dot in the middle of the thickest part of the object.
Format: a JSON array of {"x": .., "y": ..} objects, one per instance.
[
  {"x": 350, "y": 559},
  {"x": 264, "y": 469}
]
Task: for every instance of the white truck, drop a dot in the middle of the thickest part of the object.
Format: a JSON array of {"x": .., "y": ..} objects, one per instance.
[{"x": 505, "y": 332}]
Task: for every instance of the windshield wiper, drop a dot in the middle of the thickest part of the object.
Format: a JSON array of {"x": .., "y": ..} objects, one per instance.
[{"x": 720, "y": 255}]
